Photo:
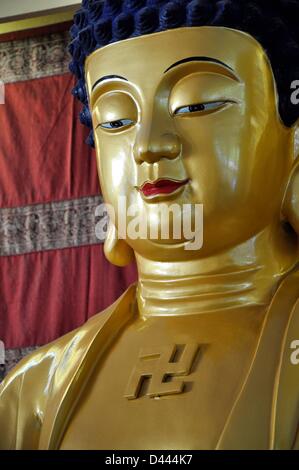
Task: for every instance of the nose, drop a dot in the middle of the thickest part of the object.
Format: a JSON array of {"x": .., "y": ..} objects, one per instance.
[{"x": 151, "y": 148}]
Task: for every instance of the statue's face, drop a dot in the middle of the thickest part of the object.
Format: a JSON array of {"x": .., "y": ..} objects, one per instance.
[{"x": 195, "y": 108}]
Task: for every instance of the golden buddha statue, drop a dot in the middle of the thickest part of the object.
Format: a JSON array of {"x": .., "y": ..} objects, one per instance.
[{"x": 188, "y": 106}]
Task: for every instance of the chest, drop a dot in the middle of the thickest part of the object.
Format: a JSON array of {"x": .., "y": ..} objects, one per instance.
[{"x": 165, "y": 384}]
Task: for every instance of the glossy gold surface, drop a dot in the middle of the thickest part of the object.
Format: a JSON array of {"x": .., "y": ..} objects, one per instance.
[{"x": 197, "y": 354}]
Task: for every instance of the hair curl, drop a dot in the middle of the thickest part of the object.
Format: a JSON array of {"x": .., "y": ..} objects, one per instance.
[{"x": 274, "y": 25}]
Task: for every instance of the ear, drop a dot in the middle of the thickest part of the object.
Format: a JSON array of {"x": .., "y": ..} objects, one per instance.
[
  {"x": 290, "y": 207},
  {"x": 116, "y": 250}
]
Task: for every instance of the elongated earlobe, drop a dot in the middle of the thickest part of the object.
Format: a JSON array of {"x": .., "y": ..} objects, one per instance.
[{"x": 116, "y": 250}]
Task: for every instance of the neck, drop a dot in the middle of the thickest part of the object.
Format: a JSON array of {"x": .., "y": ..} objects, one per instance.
[{"x": 246, "y": 275}]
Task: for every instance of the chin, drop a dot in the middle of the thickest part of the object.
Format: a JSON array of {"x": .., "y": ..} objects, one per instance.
[{"x": 165, "y": 250}]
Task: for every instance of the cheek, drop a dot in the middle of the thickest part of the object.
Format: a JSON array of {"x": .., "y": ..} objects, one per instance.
[
  {"x": 115, "y": 166},
  {"x": 212, "y": 151},
  {"x": 232, "y": 159}
]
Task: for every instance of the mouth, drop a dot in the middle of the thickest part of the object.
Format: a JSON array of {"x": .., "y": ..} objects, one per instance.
[{"x": 161, "y": 186}]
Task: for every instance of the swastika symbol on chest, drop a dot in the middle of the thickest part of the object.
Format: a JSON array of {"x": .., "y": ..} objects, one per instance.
[{"x": 159, "y": 365}]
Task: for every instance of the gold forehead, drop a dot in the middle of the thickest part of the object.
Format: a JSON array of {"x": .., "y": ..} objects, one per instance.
[
  {"x": 235, "y": 48},
  {"x": 209, "y": 32}
]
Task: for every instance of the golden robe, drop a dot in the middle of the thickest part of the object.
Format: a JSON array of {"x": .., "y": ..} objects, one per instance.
[{"x": 38, "y": 396}]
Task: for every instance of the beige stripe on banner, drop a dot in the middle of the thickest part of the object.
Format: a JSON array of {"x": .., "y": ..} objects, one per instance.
[
  {"x": 32, "y": 58},
  {"x": 54, "y": 225}
]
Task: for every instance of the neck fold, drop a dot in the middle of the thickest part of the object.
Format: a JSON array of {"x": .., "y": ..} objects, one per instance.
[{"x": 246, "y": 275}]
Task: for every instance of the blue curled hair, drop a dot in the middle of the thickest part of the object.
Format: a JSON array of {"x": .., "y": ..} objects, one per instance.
[{"x": 275, "y": 25}]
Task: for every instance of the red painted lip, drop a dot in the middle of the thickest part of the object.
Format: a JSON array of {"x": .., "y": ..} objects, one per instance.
[{"x": 163, "y": 186}]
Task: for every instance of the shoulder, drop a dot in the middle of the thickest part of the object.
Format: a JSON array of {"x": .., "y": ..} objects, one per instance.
[
  {"x": 26, "y": 391},
  {"x": 50, "y": 355}
]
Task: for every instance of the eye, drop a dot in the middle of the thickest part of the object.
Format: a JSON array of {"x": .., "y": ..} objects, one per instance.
[
  {"x": 116, "y": 124},
  {"x": 201, "y": 107}
]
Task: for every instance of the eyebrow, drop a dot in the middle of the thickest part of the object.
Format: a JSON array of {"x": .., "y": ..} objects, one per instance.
[
  {"x": 182, "y": 61},
  {"x": 107, "y": 77},
  {"x": 199, "y": 59}
]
